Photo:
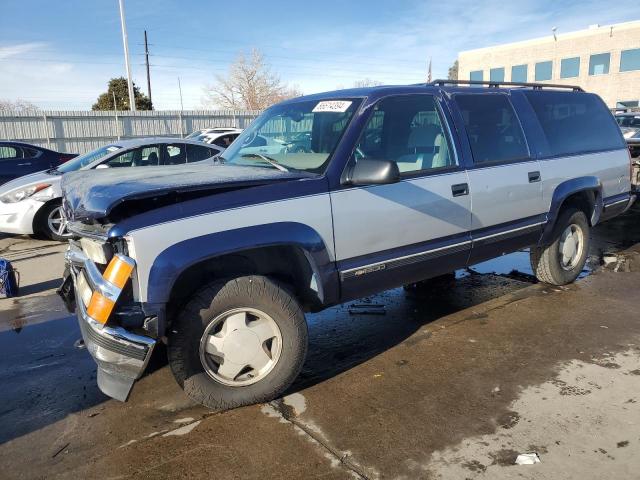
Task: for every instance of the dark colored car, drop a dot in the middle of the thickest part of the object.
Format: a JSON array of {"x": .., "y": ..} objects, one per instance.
[{"x": 18, "y": 159}]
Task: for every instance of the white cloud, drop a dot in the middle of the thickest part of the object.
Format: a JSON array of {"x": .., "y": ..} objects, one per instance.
[{"x": 8, "y": 51}]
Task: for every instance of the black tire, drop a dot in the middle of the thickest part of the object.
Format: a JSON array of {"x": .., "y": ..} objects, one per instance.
[
  {"x": 257, "y": 292},
  {"x": 546, "y": 261},
  {"x": 41, "y": 223}
]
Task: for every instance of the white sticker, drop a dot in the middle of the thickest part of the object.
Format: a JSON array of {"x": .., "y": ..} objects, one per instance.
[
  {"x": 339, "y": 106},
  {"x": 112, "y": 149}
]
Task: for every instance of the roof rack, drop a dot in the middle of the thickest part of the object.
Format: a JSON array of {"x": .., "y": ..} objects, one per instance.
[{"x": 494, "y": 84}]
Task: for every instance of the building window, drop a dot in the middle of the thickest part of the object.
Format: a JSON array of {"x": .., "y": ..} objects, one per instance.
[
  {"x": 543, "y": 71},
  {"x": 519, "y": 73},
  {"x": 599, "y": 64},
  {"x": 570, "y": 67},
  {"x": 630, "y": 60},
  {"x": 496, "y": 74},
  {"x": 476, "y": 76},
  {"x": 628, "y": 104}
]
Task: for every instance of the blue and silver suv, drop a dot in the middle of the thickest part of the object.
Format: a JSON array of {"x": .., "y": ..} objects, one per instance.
[{"x": 396, "y": 185}]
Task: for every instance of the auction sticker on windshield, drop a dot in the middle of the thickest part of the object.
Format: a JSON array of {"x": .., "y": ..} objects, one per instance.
[{"x": 339, "y": 106}]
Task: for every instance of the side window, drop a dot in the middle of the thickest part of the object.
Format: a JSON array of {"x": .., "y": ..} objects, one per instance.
[
  {"x": 8, "y": 153},
  {"x": 225, "y": 140},
  {"x": 494, "y": 132},
  {"x": 123, "y": 160},
  {"x": 575, "y": 122},
  {"x": 406, "y": 129},
  {"x": 149, "y": 157},
  {"x": 175, "y": 154},
  {"x": 197, "y": 153},
  {"x": 30, "y": 152},
  {"x": 138, "y": 157}
]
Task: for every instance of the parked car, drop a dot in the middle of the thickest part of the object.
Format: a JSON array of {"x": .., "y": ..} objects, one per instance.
[
  {"x": 198, "y": 134},
  {"x": 221, "y": 137},
  {"x": 401, "y": 184},
  {"x": 31, "y": 204},
  {"x": 18, "y": 159},
  {"x": 630, "y": 126}
]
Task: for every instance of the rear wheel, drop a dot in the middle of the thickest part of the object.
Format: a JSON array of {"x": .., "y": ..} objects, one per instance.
[
  {"x": 238, "y": 342},
  {"x": 563, "y": 260},
  {"x": 51, "y": 223}
]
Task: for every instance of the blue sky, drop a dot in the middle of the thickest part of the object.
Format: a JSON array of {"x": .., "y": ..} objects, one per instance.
[{"x": 60, "y": 54}]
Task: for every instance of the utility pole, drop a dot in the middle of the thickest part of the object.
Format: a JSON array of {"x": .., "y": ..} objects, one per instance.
[
  {"x": 180, "y": 90},
  {"x": 146, "y": 58},
  {"x": 125, "y": 41}
]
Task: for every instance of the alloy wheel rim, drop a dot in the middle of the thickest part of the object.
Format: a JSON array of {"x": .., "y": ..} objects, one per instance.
[
  {"x": 571, "y": 246},
  {"x": 57, "y": 223},
  {"x": 240, "y": 347}
]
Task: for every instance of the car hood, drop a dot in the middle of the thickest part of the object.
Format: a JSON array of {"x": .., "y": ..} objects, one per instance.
[
  {"x": 93, "y": 194},
  {"x": 28, "y": 180}
]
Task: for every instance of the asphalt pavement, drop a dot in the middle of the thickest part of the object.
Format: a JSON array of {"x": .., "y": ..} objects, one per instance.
[{"x": 452, "y": 383}]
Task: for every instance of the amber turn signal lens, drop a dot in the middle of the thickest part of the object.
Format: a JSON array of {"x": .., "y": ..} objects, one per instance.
[
  {"x": 100, "y": 307},
  {"x": 118, "y": 271}
]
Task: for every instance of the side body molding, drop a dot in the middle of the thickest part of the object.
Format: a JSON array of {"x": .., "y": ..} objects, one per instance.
[
  {"x": 564, "y": 190},
  {"x": 171, "y": 262}
]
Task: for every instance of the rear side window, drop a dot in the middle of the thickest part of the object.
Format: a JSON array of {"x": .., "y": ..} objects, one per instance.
[
  {"x": 494, "y": 131},
  {"x": 8, "y": 153},
  {"x": 575, "y": 122},
  {"x": 197, "y": 153}
]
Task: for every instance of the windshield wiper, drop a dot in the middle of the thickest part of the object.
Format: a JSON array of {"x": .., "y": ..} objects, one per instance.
[{"x": 270, "y": 161}]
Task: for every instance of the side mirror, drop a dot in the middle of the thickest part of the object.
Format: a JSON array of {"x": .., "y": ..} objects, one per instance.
[
  {"x": 373, "y": 172},
  {"x": 103, "y": 165}
]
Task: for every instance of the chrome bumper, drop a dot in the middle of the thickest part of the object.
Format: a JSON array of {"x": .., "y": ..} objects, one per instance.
[{"x": 121, "y": 356}]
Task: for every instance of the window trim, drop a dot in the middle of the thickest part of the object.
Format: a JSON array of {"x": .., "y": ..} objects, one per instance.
[
  {"x": 437, "y": 100},
  {"x": 476, "y": 165}
]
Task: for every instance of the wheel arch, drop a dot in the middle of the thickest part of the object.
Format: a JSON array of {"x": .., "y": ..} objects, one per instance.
[
  {"x": 37, "y": 217},
  {"x": 584, "y": 193},
  {"x": 292, "y": 253}
]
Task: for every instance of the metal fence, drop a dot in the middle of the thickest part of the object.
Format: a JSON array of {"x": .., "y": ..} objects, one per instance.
[{"x": 80, "y": 132}]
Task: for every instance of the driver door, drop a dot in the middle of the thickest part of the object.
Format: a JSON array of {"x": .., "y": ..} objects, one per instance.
[{"x": 390, "y": 235}]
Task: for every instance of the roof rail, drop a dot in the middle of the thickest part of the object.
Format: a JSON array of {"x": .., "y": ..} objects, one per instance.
[{"x": 495, "y": 84}]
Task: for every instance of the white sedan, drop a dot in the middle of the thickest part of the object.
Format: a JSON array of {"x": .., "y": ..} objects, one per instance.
[{"x": 31, "y": 204}]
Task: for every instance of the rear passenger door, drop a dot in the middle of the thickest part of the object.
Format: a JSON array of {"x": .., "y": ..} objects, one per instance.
[
  {"x": 504, "y": 180},
  {"x": 389, "y": 235}
]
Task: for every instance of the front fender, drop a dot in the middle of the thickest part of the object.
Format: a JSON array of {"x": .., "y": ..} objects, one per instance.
[
  {"x": 171, "y": 262},
  {"x": 563, "y": 191}
]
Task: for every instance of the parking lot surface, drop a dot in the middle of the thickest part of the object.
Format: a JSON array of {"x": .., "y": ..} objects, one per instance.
[{"x": 453, "y": 383}]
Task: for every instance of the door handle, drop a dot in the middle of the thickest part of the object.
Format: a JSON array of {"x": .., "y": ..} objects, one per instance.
[
  {"x": 24, "y": 164},
  {"x": 460, "y": 189},
  {"x": 534, "y": 177}
]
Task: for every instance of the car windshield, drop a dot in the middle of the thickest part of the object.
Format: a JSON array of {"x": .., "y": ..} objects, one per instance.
[
  {"x": 84, "y": 160},
  {"x": 628, "y": 120},
  {"x": 294, "y": 136},
  {"x": 195, "y": 134}
]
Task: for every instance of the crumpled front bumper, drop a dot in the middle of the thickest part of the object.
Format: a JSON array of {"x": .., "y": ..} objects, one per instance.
[{"x": 121, "y": 356}]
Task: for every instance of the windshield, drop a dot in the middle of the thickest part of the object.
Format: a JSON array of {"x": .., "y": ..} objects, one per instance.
[
  {"x": 297, "y": 136},
  {"x": 84, "y": 160},
  {"x": 197, "y": 133}
]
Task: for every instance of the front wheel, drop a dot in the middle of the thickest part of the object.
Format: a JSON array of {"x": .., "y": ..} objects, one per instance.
[
  {"x": 51, "y": 223},
  {"x": 562, "y": 261},
  {"x": 238, "y": 342}
]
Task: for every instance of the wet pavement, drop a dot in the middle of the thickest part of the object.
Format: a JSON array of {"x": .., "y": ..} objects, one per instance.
[{"x": 450, "y": 382}]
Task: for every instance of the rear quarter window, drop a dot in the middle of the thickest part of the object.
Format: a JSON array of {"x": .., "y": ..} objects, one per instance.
[{"x": 575, "y": 122}]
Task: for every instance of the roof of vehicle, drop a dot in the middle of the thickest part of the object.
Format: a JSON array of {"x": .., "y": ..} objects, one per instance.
[
  {"x": 137, "y": 142},
  {"x": 436, "y": 85},
  {"x": 23, "y": 144}
]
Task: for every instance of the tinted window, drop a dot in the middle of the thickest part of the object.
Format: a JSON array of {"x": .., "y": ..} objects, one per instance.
[
  {"x": 630, "y": 60},
  {"x": 225, "y": 140},
  {"x": 519, "y": 73},
  {"x": 543, "y": 71},
  {"x": 570, "y": 67},
  {"x": 496, "y": 74},
  {"x": 493, "y": 129},
  {"x": 175, "y": 154},
  {"x": 575, "y": 122},
  {"x": 197, "y": 153},
  {"x": 7, "y": 153},
  {"x": 138, "y": 157},
  {"x": 599, "y": 64},
  {"x": 476, "y": 76},
  {"x": 406, "y": 129}
]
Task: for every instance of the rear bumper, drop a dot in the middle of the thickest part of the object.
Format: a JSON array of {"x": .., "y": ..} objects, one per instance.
[{"x": 121, "y": 356}]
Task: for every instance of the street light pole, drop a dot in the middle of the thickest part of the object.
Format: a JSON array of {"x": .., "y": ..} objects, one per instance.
[{"x": 125, "y": 41}]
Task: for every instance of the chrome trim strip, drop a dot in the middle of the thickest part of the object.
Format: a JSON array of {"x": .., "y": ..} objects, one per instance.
[
  {"x": 510, "y": 231},
  {"x": 616, "y": 203}
]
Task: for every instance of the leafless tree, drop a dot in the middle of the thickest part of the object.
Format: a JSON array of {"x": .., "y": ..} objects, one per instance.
[
  {"x": 249, "y": 84},
  {"x": 16, "y": 105},
  {"x": 366, "y": 82}
]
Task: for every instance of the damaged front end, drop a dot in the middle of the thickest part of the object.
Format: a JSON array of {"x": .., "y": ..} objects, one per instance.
[{"x": 98, "y": 286}]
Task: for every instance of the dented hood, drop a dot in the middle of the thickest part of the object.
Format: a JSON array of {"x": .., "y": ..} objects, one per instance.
[{"x": 92, "y": 194}]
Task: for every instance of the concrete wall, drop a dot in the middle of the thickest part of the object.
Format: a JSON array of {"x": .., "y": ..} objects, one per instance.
[
  {"x": 80, "y": 132},
  {"x": 613, "y": 87}
]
